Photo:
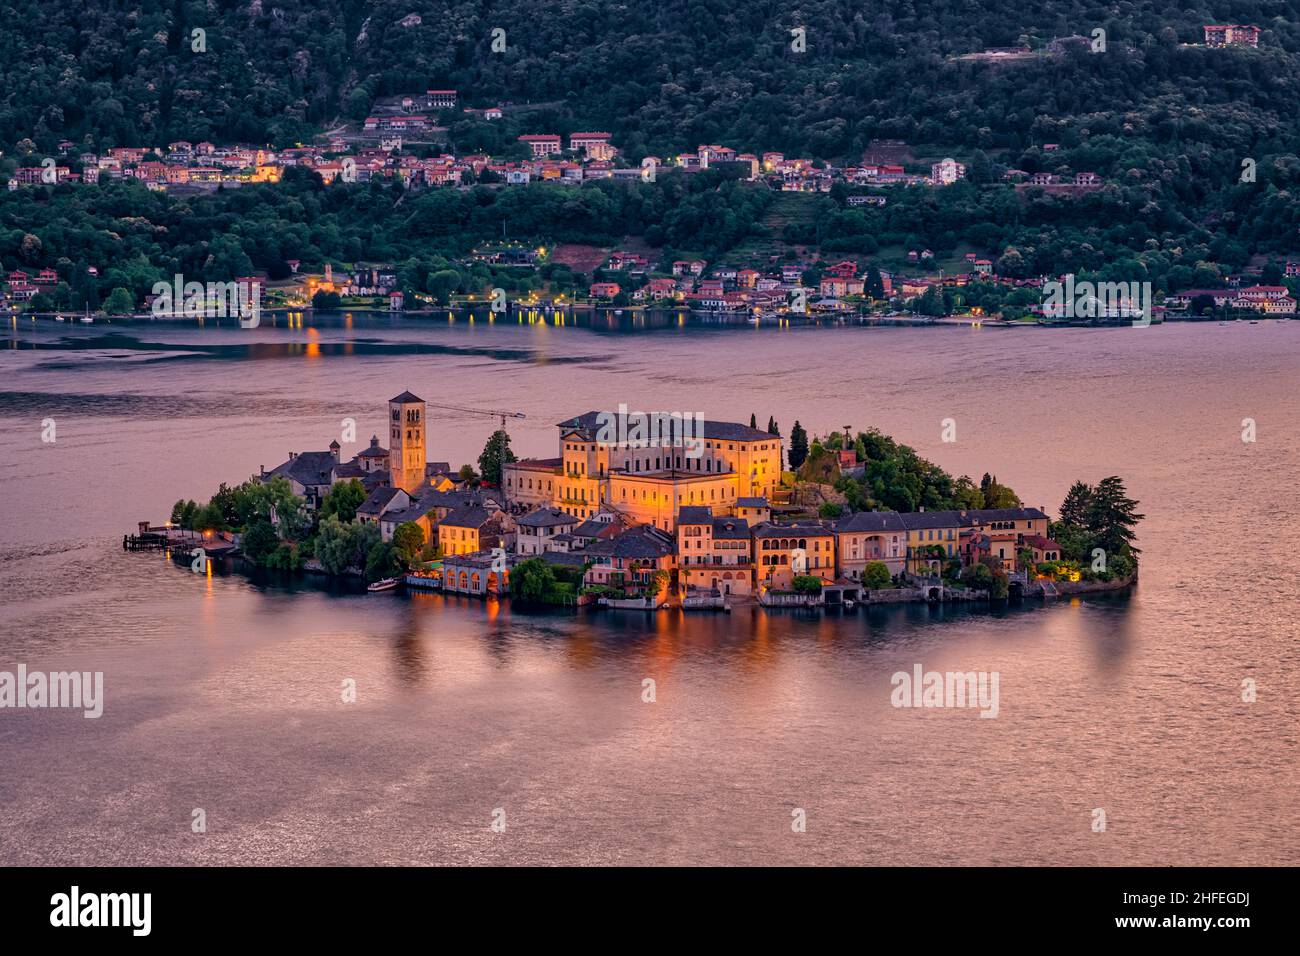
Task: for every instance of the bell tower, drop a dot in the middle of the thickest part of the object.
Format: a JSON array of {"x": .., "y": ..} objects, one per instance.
[{"x": 406, "y": 451}]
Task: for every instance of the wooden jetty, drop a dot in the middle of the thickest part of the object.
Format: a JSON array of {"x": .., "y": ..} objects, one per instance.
[{"x": 153, "y": 538}]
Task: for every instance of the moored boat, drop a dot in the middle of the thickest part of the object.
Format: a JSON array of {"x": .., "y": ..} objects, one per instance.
[{"x": 384, "y": 584}]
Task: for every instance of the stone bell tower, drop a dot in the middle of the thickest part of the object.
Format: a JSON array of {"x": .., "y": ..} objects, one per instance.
[{"x": 406, "y": 451}]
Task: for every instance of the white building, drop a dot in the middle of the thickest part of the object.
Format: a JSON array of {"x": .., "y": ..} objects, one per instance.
[{"x": 946, "y": 172}]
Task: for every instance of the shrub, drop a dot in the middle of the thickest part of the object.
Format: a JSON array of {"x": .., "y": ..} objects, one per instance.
[
  {"x": 876, "y": 575},
  {"x": 807, "y": 584}
]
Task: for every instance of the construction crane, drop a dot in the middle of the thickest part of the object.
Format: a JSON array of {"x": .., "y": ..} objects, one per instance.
[{"x": 487, "y": 412}]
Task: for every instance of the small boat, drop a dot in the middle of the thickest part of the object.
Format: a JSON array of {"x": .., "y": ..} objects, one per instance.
[
  {"x": 87, "y": 318},
  {"x": 384, "y": 584},
  {"x": 1254, "y": 321},
  {"x": 60, "y": 318}
]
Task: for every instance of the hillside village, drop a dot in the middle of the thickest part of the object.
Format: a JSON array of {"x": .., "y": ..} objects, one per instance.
[{"x": 403, "y": 143}]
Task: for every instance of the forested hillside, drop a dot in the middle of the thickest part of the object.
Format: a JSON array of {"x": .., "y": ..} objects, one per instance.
[
  {"x": 1165, "y": 125},
  {"x": 662, "y": 75}
]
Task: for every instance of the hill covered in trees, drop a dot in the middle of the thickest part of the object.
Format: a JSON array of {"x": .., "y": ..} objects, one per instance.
[
  {"x": 663, "y": 75},
  {"x": 1166, "y": 125}
]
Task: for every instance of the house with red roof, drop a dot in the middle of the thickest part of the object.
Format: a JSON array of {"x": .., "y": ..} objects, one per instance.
[
  {"x": 542, "y": 144},
  {"x": 1231, "y": 34}
]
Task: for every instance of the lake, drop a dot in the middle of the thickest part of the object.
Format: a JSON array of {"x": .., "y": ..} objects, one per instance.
[{"x": 223, "y": 693}]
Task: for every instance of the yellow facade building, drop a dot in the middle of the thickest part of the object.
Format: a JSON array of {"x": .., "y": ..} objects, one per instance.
[
  {"x": 785, "y": 551},
  {"x": 648, "y": 479},
  {"x": 942, "y": 529}
]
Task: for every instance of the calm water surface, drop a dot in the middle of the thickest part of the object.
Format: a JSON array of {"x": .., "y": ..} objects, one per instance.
[{"x": 224, "y": 693}]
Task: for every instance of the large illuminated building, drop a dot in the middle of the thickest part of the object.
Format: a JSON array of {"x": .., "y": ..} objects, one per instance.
[{"x": 648, "y": 481}]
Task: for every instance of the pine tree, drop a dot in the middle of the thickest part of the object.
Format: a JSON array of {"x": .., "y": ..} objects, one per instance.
[
  {"x": 753, "y": 420},
  {"x": 875, "y": 286},
  {"x": 1111, "y": 517},
  {"x": 798, "y": 446},
  {"x": 1074, "y": 509},
  {"x": 772, "y": 428}
]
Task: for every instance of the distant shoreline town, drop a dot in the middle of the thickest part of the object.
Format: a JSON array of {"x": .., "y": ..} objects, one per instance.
[
  {"x": 402, "y": 143},
  {"x": 703, "y": 514}
]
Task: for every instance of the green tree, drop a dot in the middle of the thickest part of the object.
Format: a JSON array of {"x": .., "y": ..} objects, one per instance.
[
  {"x": 496, "y": 454},
  {"x": 1000, "y": 585},
  {"x": 1111, "y": 519},
  {"x": 383, "y": 562},
  {"x": 798, "y": 446},
  {"x": 874, "y": 286},
  {"x": 209, "y": 518},
  {"x": 997, "y": 495},
  {"x": 977, "y": 576},
  {"x": 273, "y": 501},
  {"x": 876, "y": 575},
  {"x": 343, "y": 499},
  {"x": 344, "y": 545},
  {"x": 183, "y": 514},
  {"x": 1074, "y": 509},
  {"x": 806, "y": 584},
  {"x": 224, "y": 501},
  {"x": 119, "y": 302},
  {"x": 408, "y": 540},
  {"x": 259, "y": 542},
  {"x": 965, "y": 495},
  {"x": 532, "y": 580},
  {"x": 286, "y": 557}
]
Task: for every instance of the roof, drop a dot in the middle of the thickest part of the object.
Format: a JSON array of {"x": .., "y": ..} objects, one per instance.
[
  {"x": 307, "y": 468},
  {"x": 916, "y": 520},
  {"x": 571, "y": 559},
  {"x": 349, "y": 470},
  {"x": 643, "y": 541},
  {"x": 1041, "y": 543},
  {"x": 437, "y": 468},
  {"x": 734, "y": 529},
  {"x": 1006, "y": 514},
  {"x": 458, "y": 498},
  {"x": 416, "y": 510},
  {"x": 537, "y": 464},
  {"x": 548, "y": 518},
  {"x": 589, "y": 424},
  {"x": 406, "y": 397},
  {"x": 694, "y": 514},
  {"x": 965, "y": 519},
  {"x": 480, "y": 559},
  {"x": 770, "y": 529},
  {"x": 870, "y": 521},
  {"x": 752, "y": 503},
  {"x": 378, "y": 500},
  {"x": 467, "y": 516},
  {"x": 591, "y": 528}
]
